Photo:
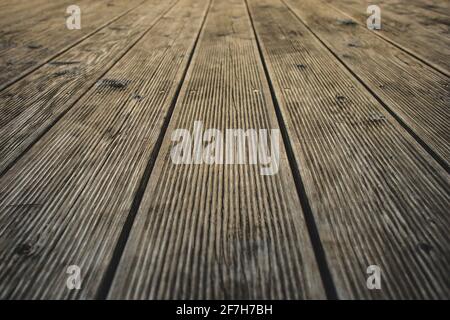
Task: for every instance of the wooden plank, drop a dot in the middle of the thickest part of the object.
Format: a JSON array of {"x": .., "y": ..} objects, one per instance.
[
  {"x": 18, "y": 24},
  {"x": 17, "y": 13},
  {"x": 220, "y": 231},
  {"x": 8, "y": 7},
  {"x": 429, "y": 13},
  {"x": 423, "y": 34},
  {"x": 436, "y": 6},
  {"x": 418, "y": 95},
  {"x": 377, "y": 197},
  {"x": 66, "y": 201},
  {"x": 46, "y": 38},
  {"x": 29, "y": 107}
]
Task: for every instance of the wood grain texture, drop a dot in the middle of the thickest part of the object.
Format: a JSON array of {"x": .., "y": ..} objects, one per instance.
[
  {"x": 65, "y": 202},
  {"x": 29, "y": 107},
  {"x": 220, "y": 231},
  {"x": 38, "y": 39},
  {"x": 86, "y": 176},
  {"x": 418, "y": 95},
  {"x": 14, "y": 13},
  {"x": 423, "y": 33},
  {"x": 428, "y": 7},
  {"x": 20, "y": 23},
  {"x": 377, "y": 197}
]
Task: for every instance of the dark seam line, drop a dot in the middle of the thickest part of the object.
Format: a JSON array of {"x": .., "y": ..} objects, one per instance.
[
  {"x": 441, "y": 161},
  {"x": 392, "y": 42},
  {"x": 56, "y": 55},
  {"x": 324, "y": 270},
  {"x": 63, "y": 113},
  {"x": 110, "y": 274}
]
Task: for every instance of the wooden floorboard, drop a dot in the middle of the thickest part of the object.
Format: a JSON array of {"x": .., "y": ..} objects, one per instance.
[
  {"x": 429, "y": 7},
  {"x": 87, "y": 124},
  {"x": 415, "y": 93},
  {"x": 364, "y": 176},
  {"x": 35, "y": 43},
  {"x": 420, "y": 32},
  {"x": 76, "y": 187},
  {"x": 31, "y": 106},
  {"x": 14, "y": 14},
  {"x": 220, "y": 231}
]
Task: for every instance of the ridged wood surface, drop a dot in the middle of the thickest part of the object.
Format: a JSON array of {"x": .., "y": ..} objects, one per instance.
[
  {"x": 220, "y": 231},
  {"x": 86, "y": 177},
  {"x": 376, "y": 195},
  {"x": 32, "y": 105},
  {"x": 422, "y": 32},
  {"x": 417, "y": 94},
  {"x": 42, "y": 36},
  {"x": 66, "y": 201},
  {"x": 15, "y": 15}
]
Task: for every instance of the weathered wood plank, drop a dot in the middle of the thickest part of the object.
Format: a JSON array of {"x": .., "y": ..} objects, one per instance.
[
  {"x": 433, "y": 6},
  {"x": 418, "y": 95},
  {"x": 424, "y": 34},
  {"x": 29, "y": 107},
  {"x": 34, "y": 44},
  {"x": 14, "y": 14},
  {"x": 13, "y": 7},
  {"x": 377, "y": 197},
  {"x": 66, "y": 201},
  {"x": 220, "y": 231}
]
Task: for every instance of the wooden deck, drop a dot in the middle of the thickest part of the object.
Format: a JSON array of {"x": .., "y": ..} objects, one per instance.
[{"x": 86, "y": 176}]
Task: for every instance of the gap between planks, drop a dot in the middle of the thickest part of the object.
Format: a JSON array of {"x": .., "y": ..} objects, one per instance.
[
  {"x": 423, "y": 131},
  {"x": 316, "y": 242},
  {"x": 15, "y": 145},
  {"x": 395, "y": 43},
  {"x": 29, "y": 71},
  {"x": 110, "y": 273},
  {"x": 98, "y": 156},
  {"x": 376, "y": 195}
]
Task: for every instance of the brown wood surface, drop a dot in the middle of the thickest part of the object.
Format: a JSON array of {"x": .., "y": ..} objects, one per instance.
[
  {"x": 38, "y": 39},
  {"x": 424, "y": 33},
  {"x": 86, "y": 177},
  {"x": 75, "y": 187},
  {"x": 364, "y": 176},
  {"x": 211, "y": 231},
  {"x": 415, "y": 93},
  {"x": 30, "y": 106}
]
